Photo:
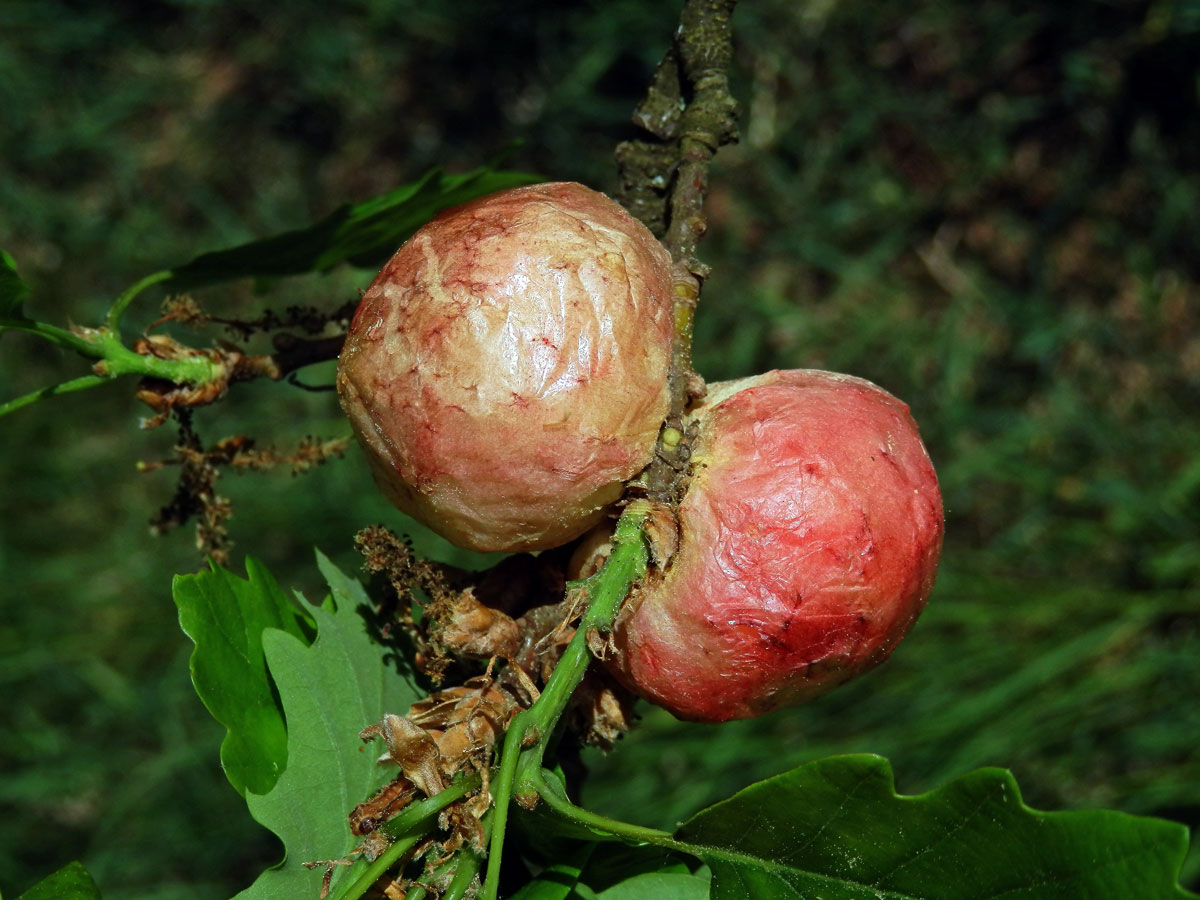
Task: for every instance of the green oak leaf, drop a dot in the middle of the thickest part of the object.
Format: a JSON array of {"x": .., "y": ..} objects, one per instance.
[
  {"x": 610, "y": 871},
  {"x": 225, "y": 617},
  {"x": 363, "y": 234},
  {"x": 13, "y": 290},
  {"x": 557, "y": 881},
  {"x": 71, "y": 882},
  {"x": 330, "y": 691},
  {"x": 617, "y": 872},
  {"x": 659, "y": 886},
  {"x": 837, "y": 829}
]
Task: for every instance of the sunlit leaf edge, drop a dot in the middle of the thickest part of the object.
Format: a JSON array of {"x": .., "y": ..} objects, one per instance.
[
  {"x": 333, "y": 686},
  {"x": 227, "y": 667}
]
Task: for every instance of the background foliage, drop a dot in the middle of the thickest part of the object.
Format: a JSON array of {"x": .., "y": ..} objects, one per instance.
[{"x": 990, "y": 209}]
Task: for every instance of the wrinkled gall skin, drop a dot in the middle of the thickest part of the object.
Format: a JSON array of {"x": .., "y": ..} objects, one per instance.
[
  {"x": 506, "y": 370},
  {"x": 810, "y": 537}
]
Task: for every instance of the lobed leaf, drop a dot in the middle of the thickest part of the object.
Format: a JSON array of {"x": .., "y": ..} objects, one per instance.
[
  {"x": 71, "y": 882},
  {"x": 330, "y": 691},
  {"x": 225, "y": 616},
  {"x": 837, "y": 829},
  {"x": 363, "y": 234}
]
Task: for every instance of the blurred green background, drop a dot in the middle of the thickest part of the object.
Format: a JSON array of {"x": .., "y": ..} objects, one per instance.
[{"x": 991, "y": 209}]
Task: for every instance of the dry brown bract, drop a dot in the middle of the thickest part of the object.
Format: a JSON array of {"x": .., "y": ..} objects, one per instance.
[{"x": 446, "y": 732}]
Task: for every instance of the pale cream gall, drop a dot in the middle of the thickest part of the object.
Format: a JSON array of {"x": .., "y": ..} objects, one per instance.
[{"x": 506, "y": 371}]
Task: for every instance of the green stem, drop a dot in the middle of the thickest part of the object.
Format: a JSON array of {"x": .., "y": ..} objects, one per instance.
[
  {"x": 468, "y": 863},
  {"x": 518, "y": 765},
  {"x": 608, "y": 589},
  {"x": 502, "y": 789},
  {"x": 557, "y": 800},
  {"x": 406, "y": 829},
  {"x": 378, "y": 866},
  {"x": 68, "y": 340},
  {"x": 115, "y": 360},
  {"x": 457, "y": 874},
  {"x": 76, "y": 384},
  {"x": 113, "y": 319}
]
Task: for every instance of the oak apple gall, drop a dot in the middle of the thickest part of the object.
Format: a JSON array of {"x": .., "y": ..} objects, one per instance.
[
  {"x": 809, "y": 541},
  {"x": 506, "y": 371}
]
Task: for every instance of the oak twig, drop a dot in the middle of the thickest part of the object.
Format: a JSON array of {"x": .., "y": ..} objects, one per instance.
[{"x": 690, "y": 113}]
